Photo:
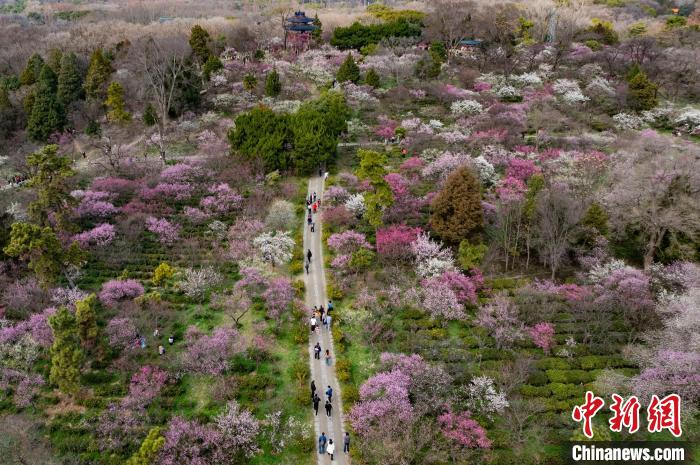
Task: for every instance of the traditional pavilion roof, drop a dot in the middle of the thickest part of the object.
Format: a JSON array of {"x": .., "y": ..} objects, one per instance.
[
  {"x": 300, "y": 17},
  {"x": 300, "y": 23}
]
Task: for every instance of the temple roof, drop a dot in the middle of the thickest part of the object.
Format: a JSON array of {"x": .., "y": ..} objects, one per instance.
[{"x": 300, "y": 17}]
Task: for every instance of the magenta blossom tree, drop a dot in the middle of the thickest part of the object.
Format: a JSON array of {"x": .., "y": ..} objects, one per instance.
[
  {"x": 210, "y": 354},
  {"x": 146, "y": 384},
  {"x": 463, "y": 431},
  {"x": 394, "y": 242},
  {"x": 542, "y": 335},
  {"x": 347, "y": 242},
  {"x": 117, "y": 290},
  {"x": 166, "y": 231},
  {"x": 500, "y": 318},
  {"x": 101, "y": 235},
  {"x": 278, "y": 296},
  {"x": 121, "y": 333}
]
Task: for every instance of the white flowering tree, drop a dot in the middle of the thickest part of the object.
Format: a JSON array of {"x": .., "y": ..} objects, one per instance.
[
  {"x": 356, "y": 205},
  {"x": 275, "y": 248},
  {"x": 466, "y": 107}
]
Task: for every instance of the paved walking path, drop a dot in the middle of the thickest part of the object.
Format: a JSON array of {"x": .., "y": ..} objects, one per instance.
[{"x": 322, "y": 374}]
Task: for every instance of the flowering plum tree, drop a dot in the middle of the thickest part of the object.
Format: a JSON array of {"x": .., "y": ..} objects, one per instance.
[
  {"x": 275, "y": 248},
  {"x": 116, "y": 291},
  {"x": 394, "y": 241},
  {"x": 166, "y": 231},
  {"x": 542, "y": 335},
  {"x": 500, "y": 318},
  {"x": 210, "y": 354}
]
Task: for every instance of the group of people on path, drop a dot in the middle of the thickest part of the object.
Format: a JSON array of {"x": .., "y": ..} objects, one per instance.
[
  {"x": 321, "y": 317},
  {"x": 313, "y": 204},
  {"x": 326, "y": 445}
]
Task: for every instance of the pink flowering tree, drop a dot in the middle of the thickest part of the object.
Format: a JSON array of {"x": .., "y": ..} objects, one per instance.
[
  {"x": 100, "y": 236},
  {"x": 628, "y": 291},
  {"x": 223, "y": 200},
  {"x": 500, "y": 318},
  {"x": 463, "y": 432},
  {"x": 116, "y": 291},
  {"x": 210, "y": 353},
  {"x": 121, "y": 333},
  {"x": 348, "y": 242},
  {"x": 278, "y": 297},
  {"x": 542, "y": 335},
  {"x": 146, "y": 384},
  {"x": 440, "y": 301},
  {"x": 521, "y": 169},
  {"x": 394, "y": 242},
  {"x": 166, "y": 231},
  {"x": 240, "y": 237},
  {"x": 461, "y": 285},
  {"x": 384, "y": 404}
]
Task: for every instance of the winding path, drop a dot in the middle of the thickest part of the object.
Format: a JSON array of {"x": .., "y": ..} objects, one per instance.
[{"x": 323, "y": 375}]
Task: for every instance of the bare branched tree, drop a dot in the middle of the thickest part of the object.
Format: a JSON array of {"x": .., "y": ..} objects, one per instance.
[
  {"x": 450, "y": 22},
  {"x": 557, "y": 214},
  {"x": 161, "y": 63}
]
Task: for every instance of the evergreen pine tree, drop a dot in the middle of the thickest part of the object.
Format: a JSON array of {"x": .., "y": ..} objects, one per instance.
[
  {"x": 595, "y": 217},
  {"x": 456, "y": 210},
  {"x": 70, "y": 83},
  {"x": 250, "y": 82},
  {"x": 31, "y": 72},
  {"x": 372, "y": 78},
  {"x": 97, "y": 75},
  {"x": 273, "y": 85},
  {"x": 200, "y": 42},
  {"x": 86, "y": 319},
  {"x": 54, "y": 60},
  {"x": 47, "y": 114},
  {"x": 372, "y": 168},
  {"x": 115, "y": 104},
  {"x": 348, "y": 71},
  {"x": 8, "y": 114},
  {"x": 642, "y": 92},
  {"x": 316, "y": 33},
  {"x": 149, "y": 115},
  {"x": 66, "y": 355},
  {"x": 212, "y": 65},
  {"x": 149, "y": 448}
]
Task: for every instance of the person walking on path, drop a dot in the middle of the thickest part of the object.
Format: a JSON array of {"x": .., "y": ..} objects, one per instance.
[
  {"x": 314, "y": 208},
  {"x": 313, "y": 388},
  {"x": 346, "y": 443},
  {"x": 317, "y": 351},
  {"x": 307, "y": 267},
  {"x": 328, "y": 357},
  {"x": 330, "y": 306},
  {"x": 331, "y": 449},
  {"x": 329, "y": 409},
  {"x": 314, "y": 196},
  {"x": 313, "y": 227},
  {"x": 316, "y": 400},
  {"x": 309, "y": 255},
  {"x": 327, "y": 323},
  {"x": 313, "y": 323},
  {"x": 309, "y": 221},
  {"x": 329, "y": 394},
  {"x": 322, "y": 440}
]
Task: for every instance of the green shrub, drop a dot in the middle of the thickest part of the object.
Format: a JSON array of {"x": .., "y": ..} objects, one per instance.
[
  {"x": 538, "y": 378},
  {"x": 242, "y": 364},
  {"x": 350, "y": 396},
  {"x": 300, "y": 371},
  {"x": 552, "y": 363},
  {"x": 534, "y": 391},
  {"x": 342, "y": 369},
  {"x": 565, "y": 391},
  {"x": 299, "y": 288},
  {"x": 590, "y": 362},
  {"x": 570, "y": 376}
]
